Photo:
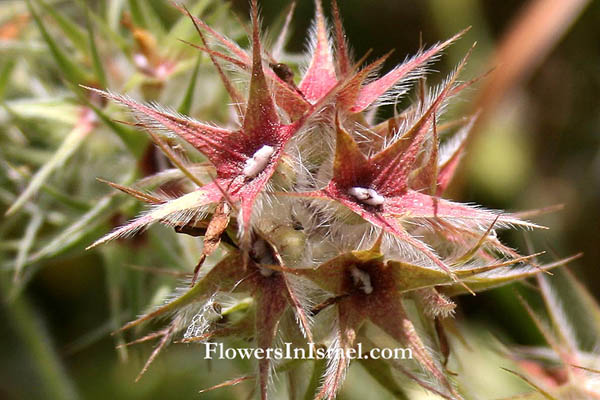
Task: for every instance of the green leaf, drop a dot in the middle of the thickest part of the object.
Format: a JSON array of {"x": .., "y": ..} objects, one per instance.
[
  {"x": 47, "y": 110},
  {"x": 113, "y": 257},
  {"x": 26, "y": 242},
  {"x": 188, "y": 98},
  {"x": 538, "y": 388},
  {"x": 573, "y": 293},
  {"x": 71, "y": 71},
  {"x": 496, "y": 278},
  {"x": 63, "y": 198},
  {"x": 184, "y": 28},
  {"x": 5, "y": 73},
  {"x": 381, "y": 371},
  {"x": 223, "y": 276},
  {"x": 29, "y": 155},
  {"x": 152, "y": 19},
  {"x": 319, "y": 368},
  {"x": 75, "y": 34},
  {"x": 75, "y": 232},
  {"x": 96, "y": 61},
  {"x": 112, "y": 35},
  {"x": 136, "y": 13},
  {"x": 69, "y": 145}
]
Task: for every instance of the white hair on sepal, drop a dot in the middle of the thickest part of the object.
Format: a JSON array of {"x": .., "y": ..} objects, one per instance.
[
  {"x": 433, "y": 303},
  {"x": 452, "y": 250},
  {"x": 303, "y": 290},
  {"x": 507, "y": 272},
  {"x": 267, "y": 201},
  {"x": 179, "y": 317},
  {"x": 278, "y": 211},
  {"x": 170, "y": 213},
  {"x": 428, "y": 343},
  {"x": 151, "y": 123},
  {"x": 184, "y": 217},
  {"x": 451, "y": 146},
  {"x": 324, "y": 173},
  {"x": 316, "y": 141},
  {"x": 337, "y": 366},
  {"x": 362, "y": 134},
  {"x": 400, "y": 88},
  {"x": 477, "y": 223},
  {"x": 371, "y": 116},
  {"x": 392, "y": 96},
  {"x": 240, "y": 77},
  {"x": 413, "y": 116},
  {"x": 556, "y": 310},
  {"x": 305, "y": 213},
  {"x": 488, "y": 268},
  {"x": 366, "y": 135},
  {"x": 257, "y": 207},
  {"x": 293, "y": 170},
  {"x": 363, "y": 235},
  {"x": 311, "y": 45},
  {"x": 397, "y": 249},
  {"x": 201, "y": 171},
  {"x": 316, "y": 160},
  {"x": 217, "y": 45},
  {"x": 394, "y": 248}
]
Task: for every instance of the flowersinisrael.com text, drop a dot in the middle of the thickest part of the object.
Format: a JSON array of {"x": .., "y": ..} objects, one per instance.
[{"x": 214, "y": 350}]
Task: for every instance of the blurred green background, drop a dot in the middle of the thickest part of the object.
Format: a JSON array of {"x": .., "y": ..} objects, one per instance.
[{"x": 538, "y": 146}]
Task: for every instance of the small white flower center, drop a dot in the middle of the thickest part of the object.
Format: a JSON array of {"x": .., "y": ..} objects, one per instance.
[
  {"x": 366, "y": 196},
  {"x": 258, "y": 162},
  {"x": 362, "y": 279}
]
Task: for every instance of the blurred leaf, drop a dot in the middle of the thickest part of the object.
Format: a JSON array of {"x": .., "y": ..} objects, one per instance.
[
  {"x": 184, "y": 27},
  {"x": 49, "y": 110},
  {"x": 136, "y": 13},
  {"x": 74, "y": 233},
  {"x": 533, "y": 385},
  {"x": 93, "y": 336},
  {"x": 381, "y": 371},
  {"x": 152, "y": 19},
  {"x": 113, "y": 36},
  {"x": 96, "y": 60},
  {"x": 35, "y": 337},
  {"x": 319, "y": 368},
  {"x": 26, "y": 242},
  {"x": 70, "y": 71},
  {"x": 586, "y": 301},
  {"x": 493, "y": 279},
  {"x": 115, "y": 282},
  {"x": 528, "y": 40},
  {"x": 70, "y": 29},
  {"x": 188, "y": 98},
  {"x": 70, "y": 144},
  {"x": 5, "y": 72},
  {"x": 574, "y": 296}
]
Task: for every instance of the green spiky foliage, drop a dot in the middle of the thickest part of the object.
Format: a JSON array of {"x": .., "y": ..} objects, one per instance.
[
  {"x": 569, "y": 367},
  {"x": 296, "y": 213}
]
